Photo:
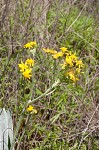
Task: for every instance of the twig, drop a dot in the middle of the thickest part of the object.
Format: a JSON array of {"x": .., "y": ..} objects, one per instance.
[{"x": 84, "y": 132}]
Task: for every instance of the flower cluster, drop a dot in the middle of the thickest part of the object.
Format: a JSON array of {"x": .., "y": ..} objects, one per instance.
[
  {"x": 56, "y": 54},
  {"x": 30, "y": 45},
  {"x": 26, "y": 68},
  {"x": 31, "y": 109},
  {"x": 70, "y": 62}
]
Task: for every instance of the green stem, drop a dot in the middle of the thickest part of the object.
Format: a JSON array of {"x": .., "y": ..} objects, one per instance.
[{"x": 24, "y": 109}]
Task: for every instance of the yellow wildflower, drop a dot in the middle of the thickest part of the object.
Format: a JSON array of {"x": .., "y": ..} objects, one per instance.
[
  {"x": 29, "y": 62},
  {"x": 49, "y": 50},
  {"x": 32, "y": 109},
  {"x": 57, "y": 54},
  {"x": 27, "y": 73},
  {"x": 63, "y": 49},
  {"x": 25, "y": 68},
  {"x": 73, "y": 56},
  {"x": 30, "y": 45},
  {"x": 69, "y": 61},
  {"x": 22, "y": 66},
  {"x": 70, "y": 64},
  {"x": 79, "y": 63},
  {"x": 78, "y": 70},
  {"x": 72, "y": 76}
]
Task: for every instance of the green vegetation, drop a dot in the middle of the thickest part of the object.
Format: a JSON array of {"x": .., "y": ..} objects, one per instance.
[{"x": 52, "y": 109}]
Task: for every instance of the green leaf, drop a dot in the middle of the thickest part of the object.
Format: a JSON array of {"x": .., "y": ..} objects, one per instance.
[{"x": 53, "y": 119}]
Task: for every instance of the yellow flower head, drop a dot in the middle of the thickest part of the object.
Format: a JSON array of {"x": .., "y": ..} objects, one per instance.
[
  {"x": 78, "y": 70},
  {"x": 63, "y": 49},
  {"x": 30, "y": 45},
  {"x": 69, "y": 61},
  {"x": 32, "y": 109},
  {"x": 73, "y": 56},
  {"x": 22, "y": 66},
  {"x": 72, "y": 76},
  {"x": 27, "y": 73},
  {"x": 30, "y": 62},
  {"x": 51, "y": 51},
  {"x": 57, "y": 54},
  {"x": 79, "y": 63},
  {"x": 26, "y": 68}
]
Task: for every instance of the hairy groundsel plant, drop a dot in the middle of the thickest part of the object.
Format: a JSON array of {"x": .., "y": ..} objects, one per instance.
[{"x": 68, "y": 62}]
